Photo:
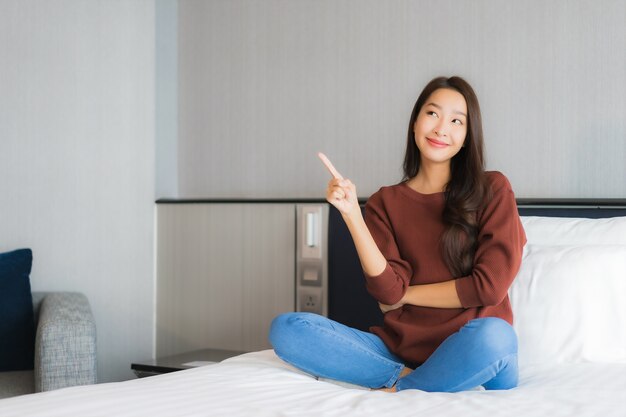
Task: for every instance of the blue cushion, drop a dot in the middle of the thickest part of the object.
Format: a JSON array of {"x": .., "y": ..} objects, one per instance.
[{"x": 17, "y": 321}]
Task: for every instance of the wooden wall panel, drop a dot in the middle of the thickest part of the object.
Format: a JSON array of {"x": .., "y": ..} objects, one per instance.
[{"x": 224, "y": 271}]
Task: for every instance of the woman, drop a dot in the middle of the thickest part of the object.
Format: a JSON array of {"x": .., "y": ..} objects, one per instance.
[{"x": 439, "y": 252}]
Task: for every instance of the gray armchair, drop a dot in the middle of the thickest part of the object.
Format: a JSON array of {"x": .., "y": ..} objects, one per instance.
[{"x": 65, "y": 346}]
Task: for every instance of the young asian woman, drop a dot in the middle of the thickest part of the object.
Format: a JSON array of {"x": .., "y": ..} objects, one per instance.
[{"x": 439, "y": 251}]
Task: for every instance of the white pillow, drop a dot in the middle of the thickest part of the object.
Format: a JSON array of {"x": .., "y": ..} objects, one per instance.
[
  {"x": 569, "y": 304},
  {"x": 574, "y": 231}
]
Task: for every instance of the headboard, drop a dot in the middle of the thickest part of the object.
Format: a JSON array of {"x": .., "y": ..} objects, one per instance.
[
  {"x": 592, "y": 209},
  {"x": 350, "y": 304}
]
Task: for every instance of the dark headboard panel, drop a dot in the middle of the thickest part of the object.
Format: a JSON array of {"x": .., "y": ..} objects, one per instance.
[
  {"x": 593, "y": 209},
  {"x": 350, "y": 304},
  {"x": 348, "y": 301}
]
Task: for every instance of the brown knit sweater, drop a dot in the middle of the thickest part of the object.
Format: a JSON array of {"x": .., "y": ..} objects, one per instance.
[{"x": 407, "y": 227}]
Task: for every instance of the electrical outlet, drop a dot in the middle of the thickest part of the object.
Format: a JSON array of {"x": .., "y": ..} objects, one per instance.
[{"x": 310, "y": 301}]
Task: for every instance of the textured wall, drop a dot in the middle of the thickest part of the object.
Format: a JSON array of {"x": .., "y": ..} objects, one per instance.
[
  {"x": 263, "y": 85},
  {"x": 77, "y": 160},
  {"x": 166, "y": 98}
]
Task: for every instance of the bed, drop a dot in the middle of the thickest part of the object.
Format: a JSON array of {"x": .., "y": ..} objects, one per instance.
[{"x": 569, "y": 300}]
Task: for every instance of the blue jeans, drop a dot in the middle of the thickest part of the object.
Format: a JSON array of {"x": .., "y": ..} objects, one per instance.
[{"x": 483, "y": 352}]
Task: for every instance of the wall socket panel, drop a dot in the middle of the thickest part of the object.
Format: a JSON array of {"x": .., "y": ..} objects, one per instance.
[
  {"x": 311, "y": 258},
  {"x": 310, "y": 300}
]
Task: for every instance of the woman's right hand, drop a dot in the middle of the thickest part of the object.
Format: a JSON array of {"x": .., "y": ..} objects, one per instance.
[{"x": 341, "y": 192}]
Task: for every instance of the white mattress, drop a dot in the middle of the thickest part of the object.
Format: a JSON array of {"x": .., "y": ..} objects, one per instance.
[{"x": 260, "y": 384}]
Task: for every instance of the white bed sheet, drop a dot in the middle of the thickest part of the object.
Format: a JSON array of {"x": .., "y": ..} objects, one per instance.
[{"x": 260, "y": 384}]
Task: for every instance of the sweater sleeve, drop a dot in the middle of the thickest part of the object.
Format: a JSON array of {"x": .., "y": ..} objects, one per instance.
[
  {"x": 498, "y": 256},
  {"x": 389, "y": 286}
]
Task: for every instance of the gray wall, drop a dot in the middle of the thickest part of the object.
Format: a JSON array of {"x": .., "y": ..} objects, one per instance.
[
  {"x": 263, "y": 85},
  {"x": 77, "y": 160},
  {"x": 166, "y": 106}
]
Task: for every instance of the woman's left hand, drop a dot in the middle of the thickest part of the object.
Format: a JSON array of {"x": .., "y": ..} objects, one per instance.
[{"x": 385, "y": 308}]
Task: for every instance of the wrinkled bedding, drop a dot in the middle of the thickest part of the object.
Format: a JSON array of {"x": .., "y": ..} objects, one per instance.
[{"x": 260, "y": 384}]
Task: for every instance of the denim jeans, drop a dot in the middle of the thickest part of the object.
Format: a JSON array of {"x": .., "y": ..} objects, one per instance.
[{"x": 483, "y": 352}]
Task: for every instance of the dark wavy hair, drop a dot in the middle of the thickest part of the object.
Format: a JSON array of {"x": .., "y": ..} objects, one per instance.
[{"x": 468, "y": 191}]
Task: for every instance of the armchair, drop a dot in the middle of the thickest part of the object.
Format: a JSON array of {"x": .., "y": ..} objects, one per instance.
[{"x": 65, "y": 346}]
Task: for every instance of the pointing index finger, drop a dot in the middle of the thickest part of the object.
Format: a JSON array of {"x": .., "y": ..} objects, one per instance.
[{"x": 330, "y": 166}]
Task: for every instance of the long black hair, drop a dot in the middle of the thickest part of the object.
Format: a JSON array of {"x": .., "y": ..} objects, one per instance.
[{"x": 467, "y": 191}]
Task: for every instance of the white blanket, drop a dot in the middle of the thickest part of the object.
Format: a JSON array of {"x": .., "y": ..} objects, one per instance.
[{"x": 260, "y": 384}]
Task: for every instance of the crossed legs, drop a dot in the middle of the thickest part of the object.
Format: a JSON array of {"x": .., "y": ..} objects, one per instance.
[{"x": 483, "y": 352}]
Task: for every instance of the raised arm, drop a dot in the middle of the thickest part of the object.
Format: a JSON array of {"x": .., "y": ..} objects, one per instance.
[{"x": 341, "y": 193}]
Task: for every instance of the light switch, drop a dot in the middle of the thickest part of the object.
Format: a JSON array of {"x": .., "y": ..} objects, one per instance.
[{"x": 310, "y": 275}]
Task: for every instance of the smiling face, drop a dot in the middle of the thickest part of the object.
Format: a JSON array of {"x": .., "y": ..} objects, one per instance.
[{"x": 441, "y": 126}]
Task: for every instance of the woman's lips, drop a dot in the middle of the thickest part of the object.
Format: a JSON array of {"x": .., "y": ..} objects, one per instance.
[{"x": 436, "y": 143}]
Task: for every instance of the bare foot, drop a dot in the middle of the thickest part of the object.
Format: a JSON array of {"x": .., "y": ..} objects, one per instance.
[{"x": 404, "y": 372}]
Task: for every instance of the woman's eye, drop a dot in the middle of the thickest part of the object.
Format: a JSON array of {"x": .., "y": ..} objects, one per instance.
[
  {"x": 431, "y": 113},
  {"x": 457, "y": 122}
]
